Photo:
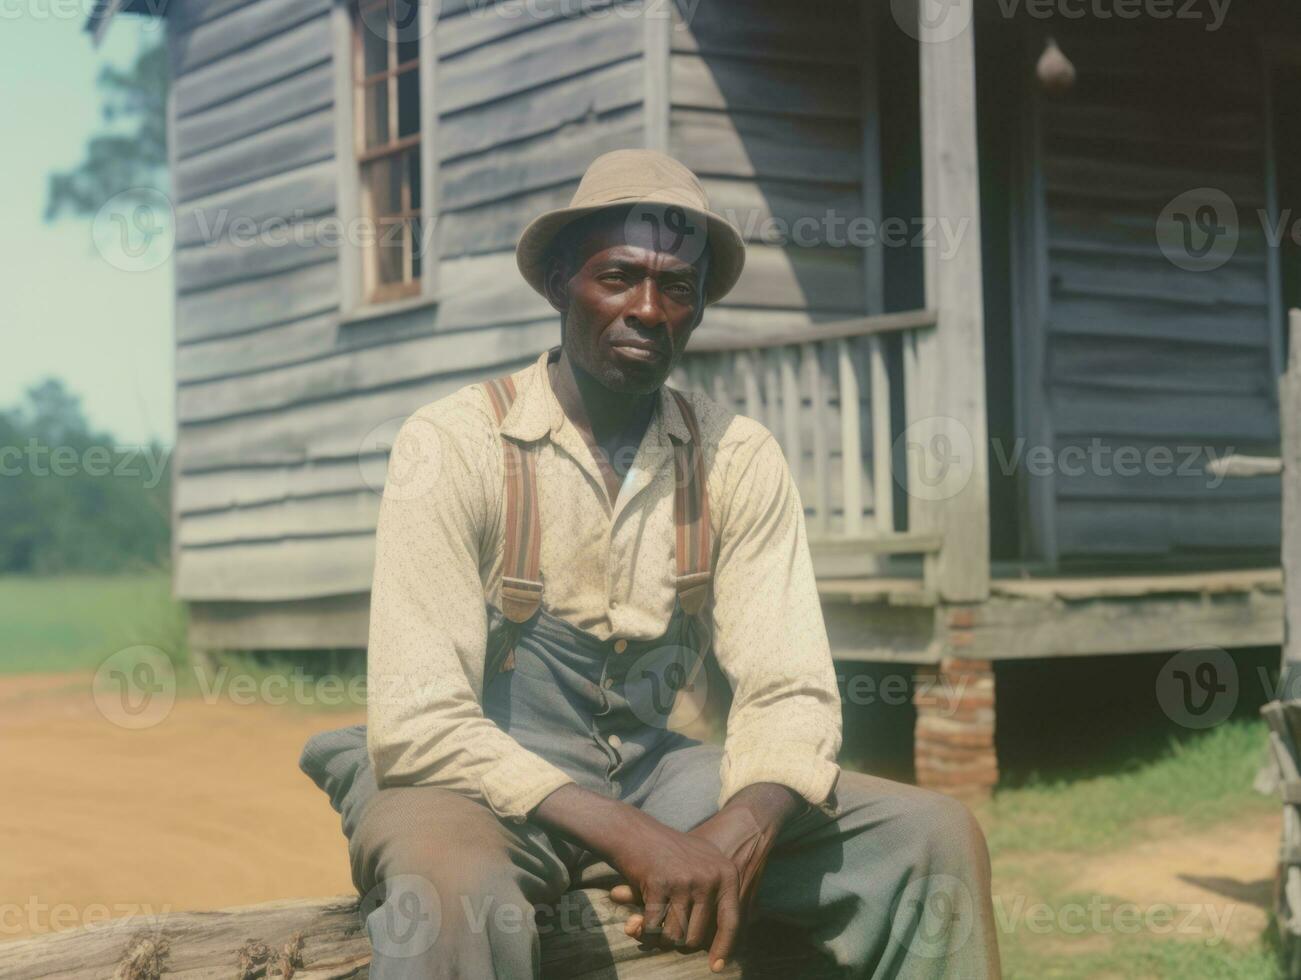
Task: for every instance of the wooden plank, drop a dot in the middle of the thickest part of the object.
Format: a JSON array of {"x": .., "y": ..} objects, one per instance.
[
  {"x": 243, "y": 27},
  {"x": 298, "y": 143},
  {"x": 717, "y": 144},
  {"x": 287, "y": 343},
  {"x": 540, "y": 110},
  {"x": 364, "y": 369},
  {"x": 1238, "y": 421},
  {"x": 657, "y": 31},
  {"x": 496, "y": 226},
  {"x": 1083, "y": 587},
  {"x": 821, "y": 467},
  {"x": 1136, "y": 469},
  {"x": 583, "y": 937},
  {"x": 308, "y": 624},
  {"x": 1141, "y": 528},
  {"x": 1149, "y": 318},
  {"x": 331, "y": 429},
  {"x": 767, "y": 211},
  {"x": 795, "y": 278},
  {"x": 1015, "y": 628},
  {"x": 249, "y": 486},
  {"x": 277, "y": 570},
  {"x": 1239, "y": 467},
  {"x": 278, "y": 57},
  {"x": 956, "y": 359},
  {"x": 257, "y": 303},
  {"x": 544, "y": 161},
  {"x": 1242, "y": 284},
  {"x": 309, "y": 191},
  {"x": 1114, "y": 181},
  {"x": 489, "y": 22},
  {"x": 816, "y": 35},
  {"x": 561, "y": 48},
  {"x": 1166, "y": 365},
  {"x": 308, "y": 91},
  {"x": 757, "y": 84},
  {"x": 349, "y": 513},
  {"x": 792, "y": 405},
  {"x": 278, "y": 247},
  {"x": 184, "y": 17},
  {"x": 1290, "y": 454},
  {"x": 851, "y": 452}
]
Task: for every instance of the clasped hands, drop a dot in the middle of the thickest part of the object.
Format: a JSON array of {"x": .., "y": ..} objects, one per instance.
[{"x": 696, "y": 890}]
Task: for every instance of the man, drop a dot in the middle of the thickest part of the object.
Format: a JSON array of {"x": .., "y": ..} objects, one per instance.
[{"x": 557, "y": 553}]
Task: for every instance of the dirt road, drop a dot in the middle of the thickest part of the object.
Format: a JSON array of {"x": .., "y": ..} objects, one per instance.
[{"x": 205, "y": 809}]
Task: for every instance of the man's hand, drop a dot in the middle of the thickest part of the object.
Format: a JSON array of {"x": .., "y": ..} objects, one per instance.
[
  {"x": 689, "y": 890},
  {"x": 744, "y": 833}
]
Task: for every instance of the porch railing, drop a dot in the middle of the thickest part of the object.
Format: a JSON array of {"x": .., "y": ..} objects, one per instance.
[{"x": 825, "y": 391}]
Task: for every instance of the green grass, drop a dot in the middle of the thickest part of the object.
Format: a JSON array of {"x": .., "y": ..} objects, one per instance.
[
  {"x": 1134, "y": 957},
  {"x": 72, "y": 623},
  {"x": 1199, "y": 780}
]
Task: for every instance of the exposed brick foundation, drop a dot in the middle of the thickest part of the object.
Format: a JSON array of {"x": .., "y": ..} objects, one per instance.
[{"x": 954, "y": 746}]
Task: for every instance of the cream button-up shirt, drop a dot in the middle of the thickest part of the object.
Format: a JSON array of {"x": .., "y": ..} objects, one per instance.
[{"x": 608, "y": 570}]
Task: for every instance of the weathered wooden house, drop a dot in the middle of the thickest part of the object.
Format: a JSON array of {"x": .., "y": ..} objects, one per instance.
[{"x": 1038, "y": 256}]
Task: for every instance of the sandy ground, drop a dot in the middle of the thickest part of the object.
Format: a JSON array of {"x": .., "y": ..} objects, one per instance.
[{"x": 205, "y": 809}]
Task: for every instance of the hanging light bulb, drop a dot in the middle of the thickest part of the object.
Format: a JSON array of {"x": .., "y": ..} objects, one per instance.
[{"x": 1054, "y": 70}]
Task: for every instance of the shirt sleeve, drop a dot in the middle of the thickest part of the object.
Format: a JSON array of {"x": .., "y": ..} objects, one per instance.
[
  {"x": 769, "y": 636},
  {"x": 428, "y": 623}
]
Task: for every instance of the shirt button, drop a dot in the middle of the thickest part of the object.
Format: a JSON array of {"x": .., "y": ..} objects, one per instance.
[
  {"x": 616, "y": 742},
  {"x": 620, "y": 645}
]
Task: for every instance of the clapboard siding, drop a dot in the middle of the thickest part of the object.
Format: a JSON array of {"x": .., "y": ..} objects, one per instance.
[
  {"x": 767, "y": 109},
  {"x": 1139, "y": 353},
  {"x": 247, "y": 69},
  {"x": 282, "y": 344},
  {"x": 297, "y": 143},
  {"x": 310, "y": 191}
]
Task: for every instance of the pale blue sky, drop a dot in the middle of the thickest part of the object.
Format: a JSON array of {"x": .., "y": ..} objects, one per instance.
[{"x": 64, "y": 309}]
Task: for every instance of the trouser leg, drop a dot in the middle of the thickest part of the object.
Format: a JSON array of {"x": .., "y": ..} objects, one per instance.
[
  {"x": 448, "y": 890},
  {"x": 896, "y": 884}
]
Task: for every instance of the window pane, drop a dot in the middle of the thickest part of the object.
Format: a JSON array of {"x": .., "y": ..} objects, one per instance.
[
  {"x": 413, "y": 176},
  {"x": 375, "y": 107},
  {"x": 408, "y": 33},
  {"x": 405, "y": 15},
  {"x": 390, "y": 252},
  {"x": 408, "y": 103},
  {"x": 374, "y": 30},
  {"x": 384, "y": 179}
]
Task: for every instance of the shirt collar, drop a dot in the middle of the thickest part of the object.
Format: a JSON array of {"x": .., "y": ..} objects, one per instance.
[{"x": 536, "y": 411}]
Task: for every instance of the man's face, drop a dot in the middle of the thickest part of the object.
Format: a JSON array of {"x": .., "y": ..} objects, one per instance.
[{"x": 629, "y": 304}]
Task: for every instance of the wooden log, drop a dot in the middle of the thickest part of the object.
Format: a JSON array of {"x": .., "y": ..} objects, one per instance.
[{"x": 581, "y": 937}]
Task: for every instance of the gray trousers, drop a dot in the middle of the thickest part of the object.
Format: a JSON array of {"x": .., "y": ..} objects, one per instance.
[{"x": 896, "y": 884}]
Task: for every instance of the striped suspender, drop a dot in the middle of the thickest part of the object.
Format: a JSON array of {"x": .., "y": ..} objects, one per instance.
[
  {"x": 691, "y": 515},
  {"x": 521, "y": 584}
]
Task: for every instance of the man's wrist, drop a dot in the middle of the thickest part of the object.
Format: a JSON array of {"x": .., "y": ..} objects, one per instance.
[{"x": 769, "y": 804}]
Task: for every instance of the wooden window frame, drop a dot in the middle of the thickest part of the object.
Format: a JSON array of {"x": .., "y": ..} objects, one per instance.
[{"x": 362, "y": 294}]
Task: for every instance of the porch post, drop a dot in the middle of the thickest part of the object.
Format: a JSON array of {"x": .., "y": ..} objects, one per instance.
[{"x": 949, "y": 437}]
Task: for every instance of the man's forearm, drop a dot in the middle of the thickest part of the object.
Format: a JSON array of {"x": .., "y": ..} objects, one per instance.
[{"x": 598, "y": 823}]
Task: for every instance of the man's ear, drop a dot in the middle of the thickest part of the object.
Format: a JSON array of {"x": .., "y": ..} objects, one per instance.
[{"x": 555, "y": 284}]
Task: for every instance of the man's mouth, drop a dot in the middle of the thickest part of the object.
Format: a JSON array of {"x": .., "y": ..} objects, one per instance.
[{"x": 638, "y": 350}]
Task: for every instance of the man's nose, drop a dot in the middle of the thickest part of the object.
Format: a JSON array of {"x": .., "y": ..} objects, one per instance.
[{"x": 646, "y": 307}]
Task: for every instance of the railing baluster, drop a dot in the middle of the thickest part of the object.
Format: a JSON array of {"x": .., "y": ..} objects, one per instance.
[
  {"x": 882, "y": 447},
  {"x": 851, "y": 450},
  {"x": 792, "y": 406},
  {"x": 812, "y": 366}
]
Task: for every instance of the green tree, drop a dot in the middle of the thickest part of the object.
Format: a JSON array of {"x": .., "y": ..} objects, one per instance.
[{"x": 131, "y": 152}]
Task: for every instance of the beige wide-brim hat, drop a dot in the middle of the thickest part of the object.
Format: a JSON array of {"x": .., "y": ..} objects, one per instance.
[{"x": 625, "y": 178}]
